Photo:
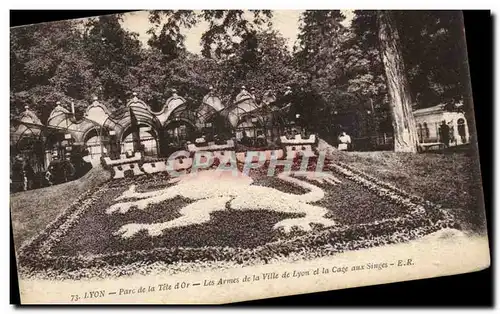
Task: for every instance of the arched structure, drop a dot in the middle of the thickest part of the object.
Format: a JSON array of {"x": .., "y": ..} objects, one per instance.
[
  {"x": 27, "y": 139},
  {"x": 211, "y": 120},
  {"x": 243, "y": 104},
  {"x": 96, "y": 143},
  {"x": 107, "y": 132}
]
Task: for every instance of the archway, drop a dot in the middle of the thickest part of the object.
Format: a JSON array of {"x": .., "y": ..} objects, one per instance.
[
  {"x": 26, "y": 160},
  {"x": 27, "y": 143},
  {"x": 148, "y": 139},
  {"x": 94, "y": 144},
  {"x": 217, "y": 128},
  {"x": 55, "y": 144},
  {"x": 250, "y": 131},
  {"x": 176, "y": 135},
  {"x": 212, "y": 124}
]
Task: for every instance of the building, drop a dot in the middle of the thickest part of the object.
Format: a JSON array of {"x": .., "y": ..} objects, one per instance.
[
  {"x": 105, "y": 133},
  {"x": 429, "y": 120}
]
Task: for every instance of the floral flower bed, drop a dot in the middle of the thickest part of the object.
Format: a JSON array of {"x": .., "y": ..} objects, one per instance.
[{"x": 369, "y": 213}]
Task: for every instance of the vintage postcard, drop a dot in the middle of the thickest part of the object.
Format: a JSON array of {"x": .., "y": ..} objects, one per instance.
[{"x": 218, "y": 156}]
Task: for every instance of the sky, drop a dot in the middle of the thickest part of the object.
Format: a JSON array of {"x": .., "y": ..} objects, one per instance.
[{"x": 285, "y": 21}]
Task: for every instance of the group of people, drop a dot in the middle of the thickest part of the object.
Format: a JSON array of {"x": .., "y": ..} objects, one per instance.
[
  {"x": 23, "y": 177},
  {"x": 59, "y": 171},
  {"x": 446, "y": 136}
]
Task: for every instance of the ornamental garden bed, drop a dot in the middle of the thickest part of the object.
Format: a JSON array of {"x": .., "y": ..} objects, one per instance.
[{"x": 367, "y": 213}]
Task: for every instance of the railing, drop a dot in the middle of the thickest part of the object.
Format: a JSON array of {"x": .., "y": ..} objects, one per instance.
[{"x": 383, "y": 141}]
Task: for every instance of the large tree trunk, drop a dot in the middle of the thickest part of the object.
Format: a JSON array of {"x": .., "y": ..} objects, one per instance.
[
  {"x": 405, "y": 132},
  {"x": 466, "y": 81}
]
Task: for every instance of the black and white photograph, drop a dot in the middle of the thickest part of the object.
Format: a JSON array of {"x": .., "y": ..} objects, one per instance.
[{"x": 323, "y": 149}]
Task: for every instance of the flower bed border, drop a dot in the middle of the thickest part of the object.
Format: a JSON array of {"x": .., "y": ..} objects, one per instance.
[
  {"x": 418, "y": 200},
  {"x": 421, "y": 218}
]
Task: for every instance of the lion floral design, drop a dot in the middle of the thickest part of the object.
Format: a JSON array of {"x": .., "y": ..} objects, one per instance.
[{"x": 215, "y": 190}]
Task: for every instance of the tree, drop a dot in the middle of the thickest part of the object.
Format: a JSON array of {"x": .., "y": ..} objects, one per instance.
[
  {"x": 329, "y": 59},
  {"x": 48, "y": 64},
  {"x": 321, "y": 53},
  {"x": 170, "y": 40},
  {"x": 405, "y": 134},
  {"x": 226, "y": 27},
  {"x": 363, "y": 65},
  {"x": 229, "y": 53},
  {"x": 261, "y": 61},
  {"x": 191, "y": 75},
  {"x": 436, "y": 52},
  {"x": 432, "y": 46},
  {"x": 433, "y": 49},
  {"x": 113, "y": 51}
]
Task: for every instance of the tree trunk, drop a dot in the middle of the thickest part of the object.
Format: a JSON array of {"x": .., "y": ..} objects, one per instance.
[
  {"x": 468, "y": 101},
  {"x": 403, "y": 121}
]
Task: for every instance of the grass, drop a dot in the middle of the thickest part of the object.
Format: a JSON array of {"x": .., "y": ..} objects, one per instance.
[
  {"x": 451, "y": 179},
  {"x": 32, "y": 211}
]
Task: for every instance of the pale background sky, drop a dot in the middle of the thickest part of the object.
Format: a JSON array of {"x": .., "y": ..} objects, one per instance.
[{"x": 285, "y": 21}]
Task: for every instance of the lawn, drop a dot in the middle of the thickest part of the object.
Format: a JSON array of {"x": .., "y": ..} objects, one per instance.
[
  {"x": 452, "y": 180},
  {"x": 32, "y": 211}
]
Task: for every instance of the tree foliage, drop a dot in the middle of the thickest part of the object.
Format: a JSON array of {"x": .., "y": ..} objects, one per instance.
[
  {"x": 434, "y": 52},
  {"x": 48, "y": 65},
  {"x": 114, "y": 52},
  {"x": 225, "y": 27},
  {"x": 344, "y": 64},
  {"x": 335, "y": 67}
]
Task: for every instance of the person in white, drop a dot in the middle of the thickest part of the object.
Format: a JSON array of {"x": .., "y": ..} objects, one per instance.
[{"x": 344, "y": 141}]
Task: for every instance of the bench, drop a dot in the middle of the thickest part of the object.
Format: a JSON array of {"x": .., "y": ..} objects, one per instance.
[{"x": 426, "y": 146}]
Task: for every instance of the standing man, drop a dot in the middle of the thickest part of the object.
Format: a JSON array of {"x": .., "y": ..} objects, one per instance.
[
  {"x": 444, "y": 131},
  {"x": 28, "y": 175},
  {"x": 17, "y": 174},
  {"x": 461, "y": 132},
  {"x": 52, "y": 174}
]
